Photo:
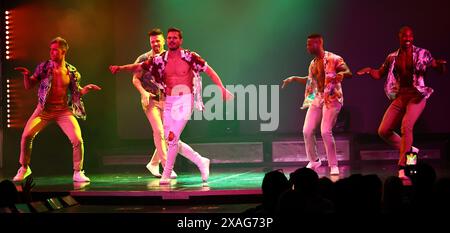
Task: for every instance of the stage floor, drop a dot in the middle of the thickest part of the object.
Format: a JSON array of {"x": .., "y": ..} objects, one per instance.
[{"x": 228, "y": 189}]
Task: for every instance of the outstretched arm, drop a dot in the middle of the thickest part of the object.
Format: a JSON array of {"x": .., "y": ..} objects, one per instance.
[
  {"x": 291, "y": 79},
  {"x": 374, "y": 73},
  {"x": 440, "y": 65},
  {"x": 129, "y": 68},
  {"x": 28, "y": 81},
  {"x": 226, "y": 95},
  {"x": 86, "y": 89},
  {"x": 90, "y": 87}
]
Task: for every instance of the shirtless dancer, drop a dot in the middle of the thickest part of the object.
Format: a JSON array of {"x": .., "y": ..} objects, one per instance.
[
  {"x": 405, "y": 86},
  {"x": 177, "y": 74},
  {"x": 59, "y": 101},
  {"x": 153, "y": 104}
]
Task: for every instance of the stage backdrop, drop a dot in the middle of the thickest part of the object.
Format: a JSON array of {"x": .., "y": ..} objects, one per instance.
[{"x": 252, "y": 42}]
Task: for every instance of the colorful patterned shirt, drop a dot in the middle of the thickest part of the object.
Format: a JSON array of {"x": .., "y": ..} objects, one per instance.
[
  {"x": 332, "y": 90},
  {"x": 422, "y": 59},
  {"x": 147, "y": 80},
  {"x": 157, "y": 64},
  {"x": 44, "y": 74}
]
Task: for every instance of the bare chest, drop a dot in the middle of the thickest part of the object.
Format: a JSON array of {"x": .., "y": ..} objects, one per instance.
[
  {"x": 61, "y": 79},
  {"x": 404, "y": 63},
  {"x": 177, "y": 67}
]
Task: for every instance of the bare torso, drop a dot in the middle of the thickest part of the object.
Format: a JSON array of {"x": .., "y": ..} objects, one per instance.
[
  {"x": 404, "y": 68},
  {"x": 319, "y": 74},
  {"x": 178, "y": 72},
  {"x": 58, "y": 92}
]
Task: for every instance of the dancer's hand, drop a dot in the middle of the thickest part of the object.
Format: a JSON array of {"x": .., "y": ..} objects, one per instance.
[
  {"x": 364, "y": 71},
  {"x": 227, "y": 95},
  {"x": 25, "y": 72},
  {"x": 440, "y": 65},
  {"x": 90, "y": 87},
  {"x": 286, "y": 82},
  {"x": 145, "y": 99},
  {"x": 114, "y": 69},
  {"x": 441, "y": 61}
]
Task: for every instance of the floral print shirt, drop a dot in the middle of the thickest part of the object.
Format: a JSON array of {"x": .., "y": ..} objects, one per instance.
[
  {"x": 44, "y": 74},
  {"x": 332, "y": 89},
  {"x": 147, "y": 81},
  {"x": 156, "y": 66},
  {"x": 422, "y": 59}
]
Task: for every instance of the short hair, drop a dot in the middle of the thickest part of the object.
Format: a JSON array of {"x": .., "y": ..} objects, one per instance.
[
  {"x": 173, "y": 29},
  {"x": 404, "y": 28},
  {"x": 155, "y": 32},
  {"x": 315, "y": 36},
  {"x": 62, "y": 43}
]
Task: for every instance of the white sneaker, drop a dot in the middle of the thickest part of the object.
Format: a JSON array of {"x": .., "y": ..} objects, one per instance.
[
  {"x": 80, "y": 185},
  {"x": 204, "y": 169},
  {"x": 334, "y": 170},
  {"x": 173, "y": 175},
  {"x": 79, "y": 176},
  {"x": 154, "y": 170},
  {"x": 314, "y": 165},
  {"x": 164, "y": 181},
  {"x": 22, "y": 173}
]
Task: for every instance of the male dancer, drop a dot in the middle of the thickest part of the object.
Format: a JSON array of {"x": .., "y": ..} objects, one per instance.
[
  {"x": 323, "y": 98},
  {"x": 405, "y": 86},
  {"x": 153, "y": 104},
  {"x": 59, "y": 101},
  {"x": 177, "y": 74}
]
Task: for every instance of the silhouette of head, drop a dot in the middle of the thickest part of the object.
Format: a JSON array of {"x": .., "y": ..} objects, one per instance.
[{"x": 305, "y": 180}]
